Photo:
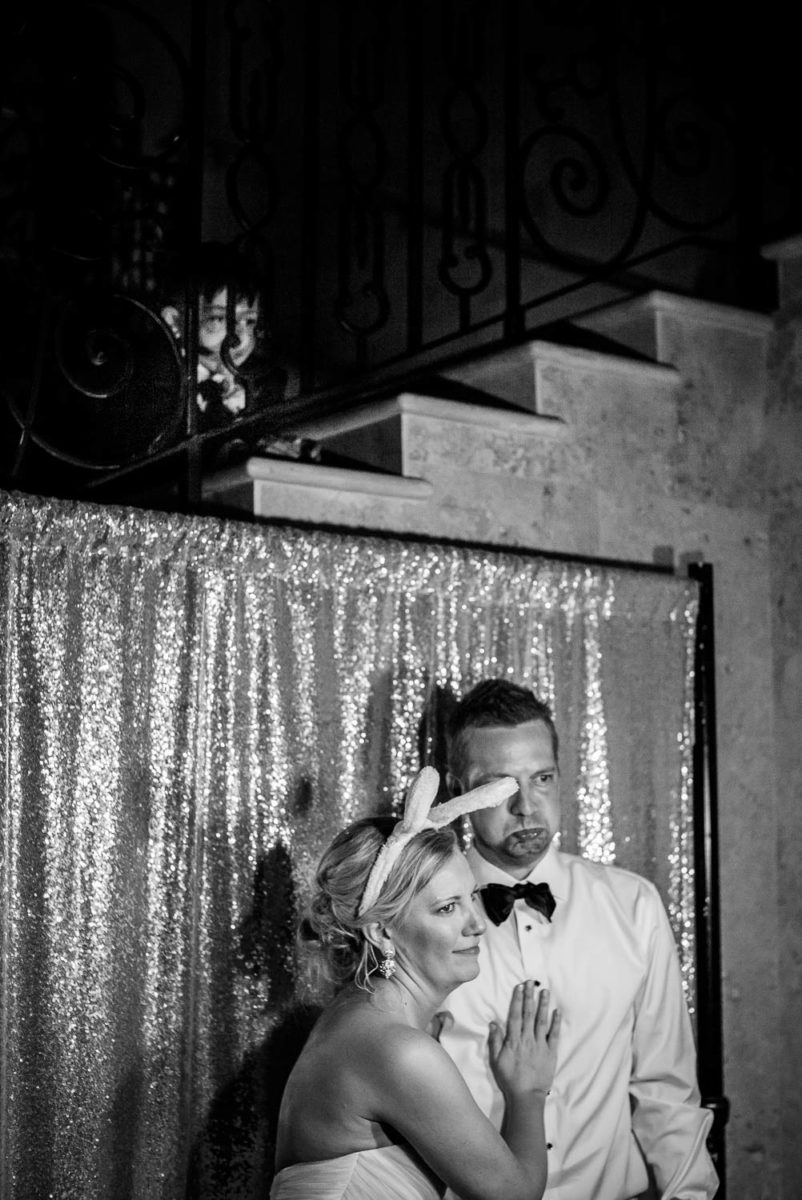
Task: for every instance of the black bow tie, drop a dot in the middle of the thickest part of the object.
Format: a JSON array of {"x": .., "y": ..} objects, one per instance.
[{"x": 498, "y": 899}]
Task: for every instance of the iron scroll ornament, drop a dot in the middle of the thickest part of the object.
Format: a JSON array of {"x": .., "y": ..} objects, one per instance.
[{"x": 111, "y": 389}]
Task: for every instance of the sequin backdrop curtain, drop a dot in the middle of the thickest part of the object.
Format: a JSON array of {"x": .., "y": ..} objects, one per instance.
[{"x": 190, "y": 709}]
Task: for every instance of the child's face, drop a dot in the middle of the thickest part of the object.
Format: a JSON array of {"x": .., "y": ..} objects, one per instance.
[{"x": 212, "y": 329}]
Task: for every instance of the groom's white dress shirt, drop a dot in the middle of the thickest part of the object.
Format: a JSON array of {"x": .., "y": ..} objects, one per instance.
[{"x": 625, "y": 1089}]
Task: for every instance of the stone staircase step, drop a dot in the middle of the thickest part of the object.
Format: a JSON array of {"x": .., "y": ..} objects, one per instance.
[
  {"x": 787, "y": 254},
  {"x": 384, "y": 434},
  {"x": 646, "y": 324},
  {"x": 298, "y": 491},
  {"x": 635, "y": 375}
]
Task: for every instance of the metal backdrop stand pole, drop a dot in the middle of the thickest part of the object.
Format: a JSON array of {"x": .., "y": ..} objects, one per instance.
[{"x": 705, "y": 829}]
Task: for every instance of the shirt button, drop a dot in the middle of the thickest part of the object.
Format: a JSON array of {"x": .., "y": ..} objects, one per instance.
[{"x": 549, "y": 1145}]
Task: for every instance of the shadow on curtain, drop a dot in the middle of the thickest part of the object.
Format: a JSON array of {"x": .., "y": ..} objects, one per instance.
[{"x": 191, "y": 708}]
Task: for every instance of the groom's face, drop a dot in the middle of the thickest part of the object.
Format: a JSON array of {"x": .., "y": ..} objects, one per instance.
[{"x": 517, "y": 833}]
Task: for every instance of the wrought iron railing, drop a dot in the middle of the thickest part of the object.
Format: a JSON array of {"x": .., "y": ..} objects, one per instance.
[{"x": 412, "y": 182}]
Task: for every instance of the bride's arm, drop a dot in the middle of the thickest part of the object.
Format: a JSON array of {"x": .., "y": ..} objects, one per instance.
[
  {"x": 522, "y": 1058},
  {"x": 414, "y": 1086}
]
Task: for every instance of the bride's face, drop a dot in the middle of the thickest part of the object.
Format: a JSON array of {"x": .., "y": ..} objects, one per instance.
[{"x": 437, "y": 940}]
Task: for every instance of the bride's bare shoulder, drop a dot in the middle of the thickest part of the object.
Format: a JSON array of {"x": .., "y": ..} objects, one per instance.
[{"x": 361, "y": 1027}]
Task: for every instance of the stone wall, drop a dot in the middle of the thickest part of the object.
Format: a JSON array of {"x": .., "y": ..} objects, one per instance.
[{"x": 783, "y": 493}]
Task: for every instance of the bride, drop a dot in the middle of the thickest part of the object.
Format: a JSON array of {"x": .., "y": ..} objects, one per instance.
[{"x": 374, "y": 1107}]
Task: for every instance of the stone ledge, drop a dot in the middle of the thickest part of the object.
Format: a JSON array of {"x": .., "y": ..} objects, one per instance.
[
  {"x": 635, "y": 322},
  {"x": 786, "y": 248},
  {"x": 515, "y": 375},
  {"x": 505, "y": 420},
  {"x": 298, "y": 474},
  {"x": 706, "y": 312},
  {"x": 787, "y": 254},
  {"x": 573, "y": 357}
]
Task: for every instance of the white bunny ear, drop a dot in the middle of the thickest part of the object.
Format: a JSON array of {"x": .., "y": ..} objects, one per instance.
[
  {"x": 420, "y": 797},
  {"x": 418, "y": 815},
  {"x": 489, "y": 795}
]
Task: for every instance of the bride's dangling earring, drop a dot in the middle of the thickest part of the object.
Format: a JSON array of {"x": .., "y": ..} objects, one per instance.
[{"x": 387, "y": 964}]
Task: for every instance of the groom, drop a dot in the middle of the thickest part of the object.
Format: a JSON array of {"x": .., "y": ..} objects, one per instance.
[{"x": 624, "y": 1109}]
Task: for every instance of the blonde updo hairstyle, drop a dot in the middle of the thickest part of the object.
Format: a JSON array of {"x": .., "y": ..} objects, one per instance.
[{"x": 331, "y": 924}]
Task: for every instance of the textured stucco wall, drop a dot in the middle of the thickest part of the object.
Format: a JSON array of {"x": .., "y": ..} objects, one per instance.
[
  {"x": 784, "y": 494},
  {"x": 722, "y": 466},
  {"x": 704, "y": 459}
]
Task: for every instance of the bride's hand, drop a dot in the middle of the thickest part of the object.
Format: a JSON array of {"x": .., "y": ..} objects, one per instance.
[{"x": 523, "y": 1056}]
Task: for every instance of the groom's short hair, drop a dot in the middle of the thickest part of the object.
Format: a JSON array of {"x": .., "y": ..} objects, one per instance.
[{"x": 495, "y": 703}]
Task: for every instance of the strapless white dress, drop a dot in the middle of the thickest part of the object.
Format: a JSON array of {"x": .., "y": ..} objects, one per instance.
[{"x": 385, "y": 1173}]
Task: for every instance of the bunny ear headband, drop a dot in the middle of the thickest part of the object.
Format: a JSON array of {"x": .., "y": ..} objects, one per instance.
[{"x": 419, "y": 815}]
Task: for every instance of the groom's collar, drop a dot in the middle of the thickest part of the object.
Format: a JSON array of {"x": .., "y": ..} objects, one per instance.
[{"x": 548, "y": 870}]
